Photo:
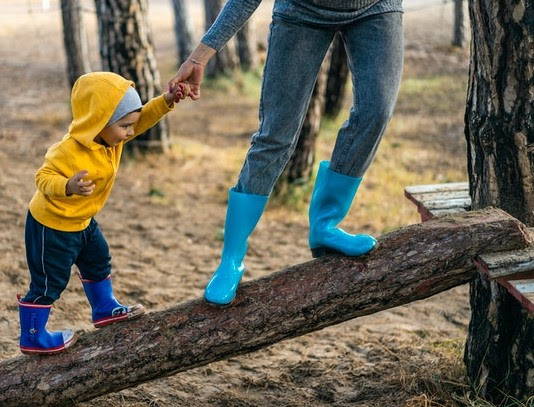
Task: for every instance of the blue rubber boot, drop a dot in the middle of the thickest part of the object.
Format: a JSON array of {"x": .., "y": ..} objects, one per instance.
[
  {"x": 106, "y": 309},
  {"x": 243, "y": 213},
  {"x": 331, "y": 200},
  {"x": 34, "y": 338}
]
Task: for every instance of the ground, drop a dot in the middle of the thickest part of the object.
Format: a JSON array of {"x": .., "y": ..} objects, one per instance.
[{"x": 164, "y": 219}]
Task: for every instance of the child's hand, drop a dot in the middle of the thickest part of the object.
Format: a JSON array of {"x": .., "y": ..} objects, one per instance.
[
  {"x": 180, "y": 92},
  {"x": 76, "y": 185}
]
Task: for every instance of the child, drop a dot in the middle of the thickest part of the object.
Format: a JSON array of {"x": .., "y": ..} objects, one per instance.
[{"x": 72, "y": 187}]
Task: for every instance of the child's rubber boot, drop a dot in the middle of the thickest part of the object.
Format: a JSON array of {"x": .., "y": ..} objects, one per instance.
[
  {"x": 331, "y": 200},
  {"x": 34, "y": 338},
  {"x": 243, "y": 213},
  {"x": 106, "y": 309}
]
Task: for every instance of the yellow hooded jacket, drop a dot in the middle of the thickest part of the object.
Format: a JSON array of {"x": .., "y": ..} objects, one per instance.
[{"x": 94, "y": 99}]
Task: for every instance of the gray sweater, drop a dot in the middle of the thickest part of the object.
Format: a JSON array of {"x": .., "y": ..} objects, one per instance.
[{"x": 235, "y": 13}]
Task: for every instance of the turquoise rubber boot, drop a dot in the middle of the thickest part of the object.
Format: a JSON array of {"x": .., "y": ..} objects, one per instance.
[
  {"x": 331, "y": 200},
  {"x": 106, "y": 309},
  {"x": 243, "y": 213},
  {"x": 34, "y": 337}
]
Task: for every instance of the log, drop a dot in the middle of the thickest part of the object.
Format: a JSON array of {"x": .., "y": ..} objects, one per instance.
[{"x": 410, "y": 264}]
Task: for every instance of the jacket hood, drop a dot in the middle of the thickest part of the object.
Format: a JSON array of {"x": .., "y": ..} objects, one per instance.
[{"x": 94, "y": 98}]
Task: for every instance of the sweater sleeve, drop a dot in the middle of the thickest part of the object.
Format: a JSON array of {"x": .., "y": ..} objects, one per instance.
[
  {"x": 232, "y": 17},
  {"x": 151, "y": 113},
  {"x": 51, "y": 179}
]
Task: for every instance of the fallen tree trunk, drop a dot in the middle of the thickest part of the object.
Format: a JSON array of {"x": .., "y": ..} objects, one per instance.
[{"x": 411, "y": 263}]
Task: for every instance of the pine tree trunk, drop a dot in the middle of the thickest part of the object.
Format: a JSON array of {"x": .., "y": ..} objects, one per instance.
[
  {"x": 300, "y": 166},
  {"x": 183, "y": 30},
  {"x": 75, "y": 40},
  {"x": 500, "y": 136},
  {"x": 225, "y": 61},
  {"x": 337, "y": 79},
  {"x": 246, "y": 46},
  {"x": 126, "y": 48},
  {"x": 458, "y": 36}
]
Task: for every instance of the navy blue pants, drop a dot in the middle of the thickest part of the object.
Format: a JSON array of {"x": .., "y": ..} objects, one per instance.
[{"x": 51, "y": 253}]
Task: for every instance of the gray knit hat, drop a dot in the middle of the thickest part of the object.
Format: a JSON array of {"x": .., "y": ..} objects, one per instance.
[{"x": 129, "y": 103}]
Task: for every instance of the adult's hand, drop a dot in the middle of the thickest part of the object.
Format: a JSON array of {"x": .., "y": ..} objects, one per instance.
[{"x": 192, "y": 70}]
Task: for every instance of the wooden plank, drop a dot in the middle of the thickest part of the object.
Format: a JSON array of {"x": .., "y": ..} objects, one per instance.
[
  {"x": 447, "y": 187},
  {"x": 447, "y": 203},
  {"x": 432, "y": 196},
  {"x": 449, "y": 211},
  {"x": 514, "y": 270},
  {"x": 506, "y": 264},
  {"x": 524, "y": 286},
  {"x": 526, "y": 299},
  {"x": 439, "y": 199}
]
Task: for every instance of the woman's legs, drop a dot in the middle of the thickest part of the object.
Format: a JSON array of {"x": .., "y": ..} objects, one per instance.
[
  {"x": 294, "y": 57},
  {"x": 375, "y": 52},
  {"x": 374, "y": 46}
]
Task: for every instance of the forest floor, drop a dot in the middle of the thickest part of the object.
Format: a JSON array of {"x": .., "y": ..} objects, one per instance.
[{"x": 164, "y": 219}]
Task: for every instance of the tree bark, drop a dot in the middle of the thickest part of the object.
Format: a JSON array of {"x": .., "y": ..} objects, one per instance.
[
  {"x": 300, "y": 166},
  {"x": 183, "y": 30},
  {"x": 225, "y": 61},
  {"x": 499, "y": 352},
  {"x": 410, "y": 264},
  {"x": 337, "y": 79},
  {"x": 75, "y": 40},
  {"x": 126, "y": 48},
  {"x": 458, "y": 34},
  {"x": 246, "y": 46}
]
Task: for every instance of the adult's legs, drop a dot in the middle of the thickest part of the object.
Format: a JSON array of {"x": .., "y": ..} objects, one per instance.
[
  {"x": 374, "y": 46},
  {"x": 294, "y": 57},
  {"x": 375, "y": 52}
]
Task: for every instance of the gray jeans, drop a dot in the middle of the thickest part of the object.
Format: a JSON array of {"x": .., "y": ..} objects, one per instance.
[{"x": 295, "y": 52}]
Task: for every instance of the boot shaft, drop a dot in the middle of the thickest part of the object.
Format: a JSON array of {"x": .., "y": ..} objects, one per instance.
[
  {"x": 242, "y": 215},
  {"x": 332, "y": 196}
]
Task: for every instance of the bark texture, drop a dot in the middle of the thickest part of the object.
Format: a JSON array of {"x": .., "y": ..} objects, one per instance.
[
  {"x": 337, "y": 79},
  {"x": 500, "y": 137},
  {"x": 458, "y": 30},
  {"x": 410, "y": 264},
  {"x": 74, "y": 39},
  {"x": 126, "y": 48},
  {"x": 246, "y": 46},
  {"x": 225, "y": 61},
  {"x": 183, "y": 30}
]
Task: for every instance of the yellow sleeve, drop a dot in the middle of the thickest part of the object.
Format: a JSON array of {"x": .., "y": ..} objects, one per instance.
[
  {"x": 51, "y": 178},
  {"x": 151, "y": 113}
]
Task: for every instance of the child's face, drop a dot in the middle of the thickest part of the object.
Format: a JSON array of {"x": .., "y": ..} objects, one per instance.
[{"x": 119, "y": 131}]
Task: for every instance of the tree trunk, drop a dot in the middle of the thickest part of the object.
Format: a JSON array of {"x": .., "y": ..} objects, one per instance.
[
  {"x": 410, "y": 264},
  {"x": 337, "y": 79},
  {"x": 458, "y": 35},
  {"x": 183, "y": 30},
  {"x": 225, "y": 61},
  {"x": 126, "y": 48},
  {"x": 246, "y": 46},
  {"x": 75, "y": 40},
  {"x": 300, "y": 166},
  {"x": 500, "y": 138}
]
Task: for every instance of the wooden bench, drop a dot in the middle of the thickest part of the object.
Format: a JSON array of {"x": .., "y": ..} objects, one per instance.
[
  {"x": 514, "y": 270},
  {"x": 439, "y": 199}
]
